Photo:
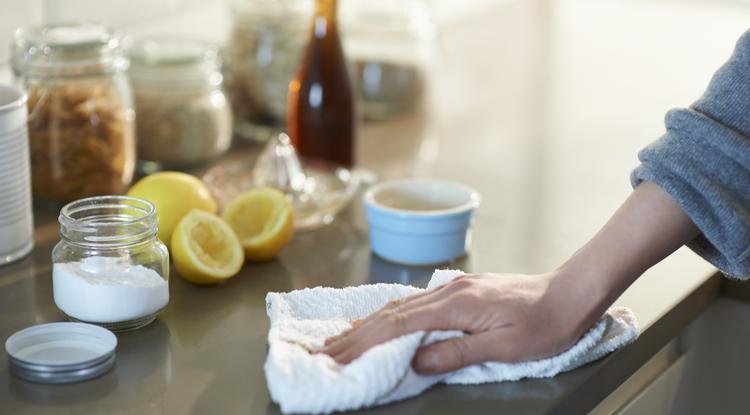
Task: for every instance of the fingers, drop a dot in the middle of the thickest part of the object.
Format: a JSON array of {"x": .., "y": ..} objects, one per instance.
[
  {"x": 426, "y": 310},
  {"x": 499, "y": 345},
  {"x": 356, "y": 323},
  {"x": 389, "y": 325},
  {"x": 449, "y": 355},
  {"x": 394, "y": 306}
]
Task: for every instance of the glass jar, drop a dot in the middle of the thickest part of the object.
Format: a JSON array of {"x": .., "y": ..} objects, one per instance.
[
  {"x": 80, "y": 123},
  {"x": 109, "y": 267},
  {"x": 391, "y": 47},
  {"x": 182, "y": 114},
  {"x": 262, "y": 54}
]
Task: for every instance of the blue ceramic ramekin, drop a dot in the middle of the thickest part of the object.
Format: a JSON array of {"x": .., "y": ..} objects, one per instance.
[{"x": 420, "y": 221}]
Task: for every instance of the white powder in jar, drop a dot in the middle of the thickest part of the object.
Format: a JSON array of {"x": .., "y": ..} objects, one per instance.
[{"x": 108, "y": 290}]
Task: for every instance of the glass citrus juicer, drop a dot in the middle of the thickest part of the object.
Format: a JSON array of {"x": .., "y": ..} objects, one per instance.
[{"x": 317, "y": 189}]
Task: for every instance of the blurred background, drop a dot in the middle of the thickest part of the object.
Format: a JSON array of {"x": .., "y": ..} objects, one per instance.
[{"x": 552, "y": 91}]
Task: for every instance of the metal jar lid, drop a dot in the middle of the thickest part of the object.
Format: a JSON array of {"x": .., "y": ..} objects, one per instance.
[{"x": 61, "y": 352}]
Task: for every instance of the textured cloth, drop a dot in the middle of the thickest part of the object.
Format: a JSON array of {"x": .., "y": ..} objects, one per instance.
[
  {"x": 703, "y": 162},
  {"x": 301, "y": 381}
]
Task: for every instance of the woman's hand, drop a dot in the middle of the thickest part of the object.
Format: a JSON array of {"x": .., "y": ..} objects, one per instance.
[
  {"x": 511, "y": 318},
  {"x": 506, "y": 318}
]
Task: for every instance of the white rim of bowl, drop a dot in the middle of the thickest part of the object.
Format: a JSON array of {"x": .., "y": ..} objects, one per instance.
[{"x": 473, "y": 202}]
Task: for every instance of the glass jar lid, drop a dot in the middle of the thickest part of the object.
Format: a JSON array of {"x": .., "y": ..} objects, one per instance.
[
  {"x": 164, "y": 61},
  {"x": 67, "y": 49}
]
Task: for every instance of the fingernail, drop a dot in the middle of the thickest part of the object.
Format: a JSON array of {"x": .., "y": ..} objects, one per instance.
[{"x": 427, "y": 362}]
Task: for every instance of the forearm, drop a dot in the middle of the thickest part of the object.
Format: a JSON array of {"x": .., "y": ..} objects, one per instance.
[
  {"x": 644, "y": 230},
  {"x": 703, "y": 162}
]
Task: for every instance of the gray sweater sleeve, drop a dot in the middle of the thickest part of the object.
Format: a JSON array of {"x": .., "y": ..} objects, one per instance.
[{"x": 703, "y": 162}]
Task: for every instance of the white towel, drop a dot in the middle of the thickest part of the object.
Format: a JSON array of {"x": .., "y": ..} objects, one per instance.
[{"x": 300, "y": 381}]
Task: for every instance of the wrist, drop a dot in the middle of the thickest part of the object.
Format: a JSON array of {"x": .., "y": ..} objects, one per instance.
[
  {"x": 596, "y": 275},
  {"x": 589, "y": 287},
  {"x": 649, "y": 226}
]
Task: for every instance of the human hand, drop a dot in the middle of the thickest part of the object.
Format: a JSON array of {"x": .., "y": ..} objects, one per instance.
[
  {"x": 511, "y": 318},
  {"x": 506, "y": 318}
]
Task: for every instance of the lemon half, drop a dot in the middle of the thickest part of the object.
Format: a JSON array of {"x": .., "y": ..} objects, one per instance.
[
  {"x": 262, "y": 219},
  {"x": 205, "y": 250}
]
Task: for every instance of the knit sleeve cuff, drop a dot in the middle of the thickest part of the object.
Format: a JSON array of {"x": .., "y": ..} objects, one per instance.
[{"x": 705, "y": 167}]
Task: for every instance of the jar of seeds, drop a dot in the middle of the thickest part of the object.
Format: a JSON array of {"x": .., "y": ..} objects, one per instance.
[{"x": 182, "y": 115}]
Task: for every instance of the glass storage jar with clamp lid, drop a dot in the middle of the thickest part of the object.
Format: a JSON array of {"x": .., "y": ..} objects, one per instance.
[
  {"x": 81, "y": 133},
  {"x": 182, "y": 115}
]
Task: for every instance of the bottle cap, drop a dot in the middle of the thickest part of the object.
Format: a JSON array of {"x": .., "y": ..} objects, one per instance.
[{"x": 59, "y": 353}]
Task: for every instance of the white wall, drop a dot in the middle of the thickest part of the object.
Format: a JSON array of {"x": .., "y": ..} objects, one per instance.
[
  {"x": 209, "y": 19},
  {"x": 205, "y": 18}
]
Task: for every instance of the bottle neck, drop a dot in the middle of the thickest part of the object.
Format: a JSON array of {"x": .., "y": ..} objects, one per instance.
[
  {"x": 324, "y": 20},
  {"x": 108, "y": 222}
]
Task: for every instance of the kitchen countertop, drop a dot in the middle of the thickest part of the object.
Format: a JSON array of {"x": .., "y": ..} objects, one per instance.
[{"x": 543, "y": 116}]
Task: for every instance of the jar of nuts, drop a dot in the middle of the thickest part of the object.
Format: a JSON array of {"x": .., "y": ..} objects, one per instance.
[{"x": 81, "y": 120}]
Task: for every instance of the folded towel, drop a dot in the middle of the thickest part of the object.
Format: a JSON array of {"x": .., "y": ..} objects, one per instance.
[{"x": 301, "y": 321}]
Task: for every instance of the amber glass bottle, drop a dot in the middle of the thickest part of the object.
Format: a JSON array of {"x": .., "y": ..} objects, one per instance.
[{"x": 321, "y": 113}]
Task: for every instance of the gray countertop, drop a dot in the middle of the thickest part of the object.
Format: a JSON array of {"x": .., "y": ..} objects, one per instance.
[{"x": 543, "y": 116}]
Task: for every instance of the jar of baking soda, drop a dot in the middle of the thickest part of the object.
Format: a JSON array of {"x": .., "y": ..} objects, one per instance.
[{"x": 109, "y": 267}]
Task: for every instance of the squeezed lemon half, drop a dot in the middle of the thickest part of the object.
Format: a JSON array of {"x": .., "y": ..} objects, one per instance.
[
  {"x": 263, "y": 221},
  {"x": 205, "y": 250}
]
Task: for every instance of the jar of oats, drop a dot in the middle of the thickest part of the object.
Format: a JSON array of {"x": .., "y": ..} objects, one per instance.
[
  {"x": 182, "y": 115},
  {"x": 81, "y": 120}
]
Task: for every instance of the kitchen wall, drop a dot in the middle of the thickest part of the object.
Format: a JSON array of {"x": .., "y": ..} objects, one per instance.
[
  {"x": 204, "y": 18},
  {"x": 208, "y": 19}
]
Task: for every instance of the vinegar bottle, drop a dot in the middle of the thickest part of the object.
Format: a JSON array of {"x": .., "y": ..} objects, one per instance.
[{"x": 321, "y": 114}]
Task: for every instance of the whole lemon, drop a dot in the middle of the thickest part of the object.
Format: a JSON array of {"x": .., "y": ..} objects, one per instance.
[{"x": 174, "y": 194}]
